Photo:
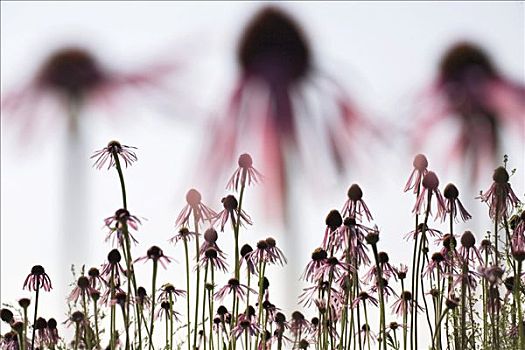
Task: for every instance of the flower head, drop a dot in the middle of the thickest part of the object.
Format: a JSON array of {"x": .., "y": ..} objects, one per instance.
[
  {"x": 194, "y": 206},
  {"x": 231, "y": 212},
  {"x": 420, "y": 169},
  {"x": 470, "y": 91},
  {"x": 245, "y": 174},
  {"x": 119, "y": 225},
  {"x": 430, "y": 187},
  {"x": 453, "y": 204},
  {"x": 500, "y": 197},
  {"x": 157, "y": 255},
  {"x": 235, "y": 287},
  {"x": 38, "y": 278},
  {"x": 355, "y": 207},
  {"x": 112, "y": 153}
]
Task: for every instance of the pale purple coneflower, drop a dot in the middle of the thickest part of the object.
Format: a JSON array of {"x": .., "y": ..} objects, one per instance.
[
  {"x": 194, "y": 206},
  {"x": 183, "y": 235},
  {"x": 319, "y": 256},
  {"x": 81, "y": 289},
  {"x": 403, "y": 305},
  {"x": 142, "y": 298},
  {"x": 518, "y": 239},
  {"x": 453, "y": 204},
  {"x": 231, "y": 212},
  {"x": 437, "y": 262},
  {"x": 500, "y": 197},
  {"x": 387, "y": 269},
  {"x": 38, "y": 278},
  {"x": 210, "y": 241},
  {"x": 245, "y": 174},
  {"x": 156, "y": 254},
  {"x": 470, "y": 91},
  {"x": 119, "y": 222},
  {"x": 468, "y": 250},
  {"x": 212, "y": 258},
  {"x": 387, "y": 290},
  {"x": 40, "y": 327},
  {"x": 10, "y": 341},
  {"x": 245, "y": 258},
  {"x": 114, "y": 149},
  {"x": 430, "y": 187},
  {"x": 309, "y": 294},
  {"x": 113, "y": 268},
  {"x": 332, "y": 266},
  {"x": 95, "y": 280},
  {"x": 106, "y": 299},
  {"x": 333, "y": 221},
  {"x": 353, "y": 235},
  {"x": 235, "y": 287},
  {"x": 245, "y": 324},
  {"x": 298, "y": 323},
  {"x": 166, "y": 310},
  {"x": 492, "y": 274},
  {"x": 266, "y": 252},
  {"x": 401, "y": 271},
  {"x": 120, "y": 298},
  {"x": 355, "y": 206},
  {"x": 420, "y": 164},
  {"x": 169, "y": 291},
  {"x": 420, "y": 228},
  {"x": 486, "y": 247},
  {"x": 364, "y": 297},
  {"x": 52, "y": 333},
  {"x": 367, "y": 334}
]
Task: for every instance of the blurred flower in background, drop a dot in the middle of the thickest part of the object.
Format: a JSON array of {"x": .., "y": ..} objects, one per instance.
[
  {"x": 73, "y": 79},
  {"x": 284, "y": 104},
  {"x": 472, "y": 92},
  {"x": 61, "y": 94}
]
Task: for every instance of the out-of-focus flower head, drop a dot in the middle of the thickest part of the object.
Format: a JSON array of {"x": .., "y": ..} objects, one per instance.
[
  {"x": 72, "y": 78},
  {"x": 470, "y": 91},
  {"x": 269, "y": 107}
]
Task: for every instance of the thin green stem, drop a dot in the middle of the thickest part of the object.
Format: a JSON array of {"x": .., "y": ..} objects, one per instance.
[
  {"x": 188, "y": 315},
  {"x": 37, "y": 290},
  {"x": 198, "y": 279},
  {"x": 153, "y": 290}
]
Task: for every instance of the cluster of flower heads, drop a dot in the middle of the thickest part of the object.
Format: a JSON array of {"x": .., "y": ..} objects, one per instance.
[{"x": 350, "y": 279}]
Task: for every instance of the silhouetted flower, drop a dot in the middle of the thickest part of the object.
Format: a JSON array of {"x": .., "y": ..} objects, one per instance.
[
  {"x": 82, "y": 289},
  {"x": 156, "y": 254},
  {"x": 430, "y": 187},
  {"x": 420, "y": 169},
  {"x": 194, "y": 206},
  {"x": 108, "y": 154},
  {"x": 355, "y": 206},
  {"x": 245, "y": 172},
  {"x": 235, "y": 287},
  {"x": 38, "y": 278},
  {"x": 112, "y": 268},
  {"x": 500, "y": 197},
  {"x": 245, "y": 324},
  {"x": 452, "y": 204},
  {"x": 121, "y": 220},
  {"x": 230, "y": 211},
  {"x": 213, "y": 259}
]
